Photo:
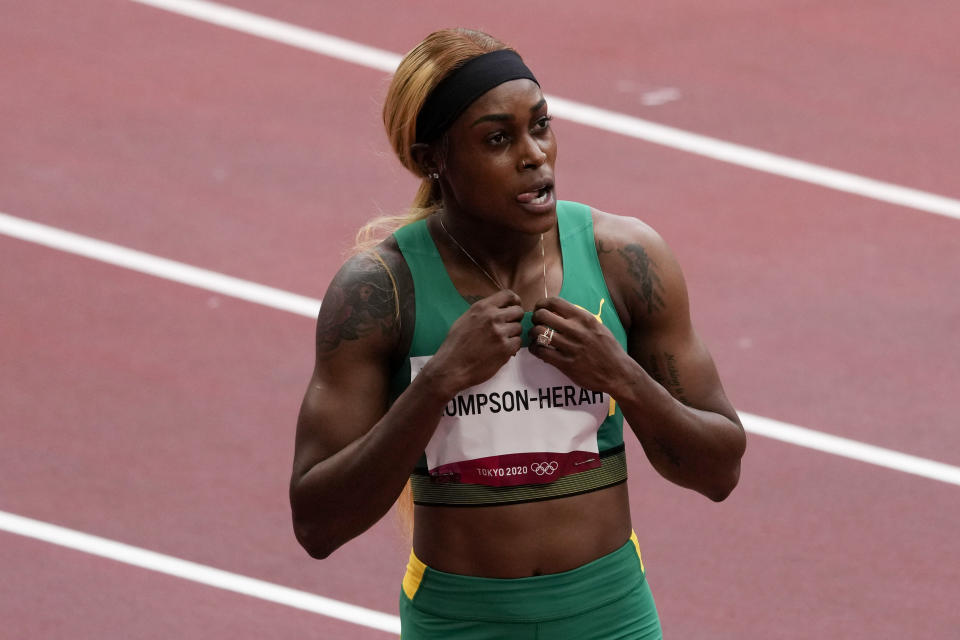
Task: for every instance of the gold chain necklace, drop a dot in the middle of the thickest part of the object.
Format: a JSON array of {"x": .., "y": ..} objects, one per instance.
[{"x": 496, "y": 282}]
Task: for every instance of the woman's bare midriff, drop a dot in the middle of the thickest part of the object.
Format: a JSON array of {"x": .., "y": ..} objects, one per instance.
[{"x": 518, "y": 541}]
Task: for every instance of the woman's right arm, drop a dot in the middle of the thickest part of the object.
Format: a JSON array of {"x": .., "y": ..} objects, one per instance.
[{"x": 353, "y": 455}]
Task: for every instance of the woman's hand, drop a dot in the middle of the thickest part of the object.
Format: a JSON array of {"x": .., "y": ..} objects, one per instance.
[
  {"x": 580, "y": 346},
  {"x": 479, "y": 342}
]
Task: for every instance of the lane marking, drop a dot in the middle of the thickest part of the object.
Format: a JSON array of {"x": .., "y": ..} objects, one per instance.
[
  {"x": 120, "y": 256},
  {"x": 278, "y": 31},
  {"x": 587, "y": 115},
  {"x": 847, "y": 448},
  {"x": 164, "y": 268},
  {"x": 195, "y": 572}
]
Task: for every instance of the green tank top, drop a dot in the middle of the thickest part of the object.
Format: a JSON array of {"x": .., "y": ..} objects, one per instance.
[{"x": 529, "y": 433}]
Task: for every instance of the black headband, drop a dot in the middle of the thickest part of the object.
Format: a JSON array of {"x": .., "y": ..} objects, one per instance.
[{"x": 463, "y": 85}]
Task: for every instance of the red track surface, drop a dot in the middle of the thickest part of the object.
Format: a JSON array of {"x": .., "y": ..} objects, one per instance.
[{"x": 162, "y": 416}]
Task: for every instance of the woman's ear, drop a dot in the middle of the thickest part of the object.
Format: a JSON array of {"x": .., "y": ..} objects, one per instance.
[{"x": 425, "y": 157}]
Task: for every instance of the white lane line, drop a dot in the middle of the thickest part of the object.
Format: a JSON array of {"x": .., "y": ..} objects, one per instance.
[
  {"x": 619, "y": 123},
  {"x": 279, "y": 31},
  {"x": 156, "y": 266},
  {"x": 195, "y": 572},
  {"x": 847, "y": 448},
  {"x": 301, "y": 305}
]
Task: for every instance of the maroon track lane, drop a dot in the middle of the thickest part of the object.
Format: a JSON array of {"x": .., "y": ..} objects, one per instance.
[
  {"x": 163, "y": 417},
  {"x": 53, "y": 592},
  {"x": 861, "y": 86}
]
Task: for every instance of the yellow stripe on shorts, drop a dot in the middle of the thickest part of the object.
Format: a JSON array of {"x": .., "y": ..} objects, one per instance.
[
  {"x": 414, "y": 575},
  {"x": 636, "y": 544}
]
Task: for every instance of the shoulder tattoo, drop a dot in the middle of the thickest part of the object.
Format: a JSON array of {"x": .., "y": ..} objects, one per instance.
[
  {"x": 362, "y": 299},
  {"x": 645, "y": 276}
]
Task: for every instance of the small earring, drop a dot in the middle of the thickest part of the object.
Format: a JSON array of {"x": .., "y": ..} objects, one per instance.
[{"x": 434, "y": 176}]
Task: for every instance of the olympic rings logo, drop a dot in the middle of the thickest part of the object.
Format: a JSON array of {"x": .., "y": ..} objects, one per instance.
[{"x": 544, "y": 468}]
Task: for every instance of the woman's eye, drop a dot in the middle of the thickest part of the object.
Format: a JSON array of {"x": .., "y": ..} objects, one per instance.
[
  {"x": 544, "y": 122},
  {"x": 497, "y": 138}
]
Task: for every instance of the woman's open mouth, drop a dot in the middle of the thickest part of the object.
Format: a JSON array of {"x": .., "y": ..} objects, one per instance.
[{"x": 543, "y": 195}]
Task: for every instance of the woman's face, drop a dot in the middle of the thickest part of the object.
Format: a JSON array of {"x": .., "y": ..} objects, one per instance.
[{"x": 500, "y": 160}]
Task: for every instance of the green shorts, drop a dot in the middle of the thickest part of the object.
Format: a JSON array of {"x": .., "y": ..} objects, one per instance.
[{"x": 606, "y": 599}]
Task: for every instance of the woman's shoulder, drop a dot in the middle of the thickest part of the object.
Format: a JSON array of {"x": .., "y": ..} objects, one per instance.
[
  {"x": 370, "y": 296},
  {"x": 613, "y": 231},
  {"x": 640, "y": 268},
  {"x": 376, "y": 262},
  {"x": 615, "y": 228}
]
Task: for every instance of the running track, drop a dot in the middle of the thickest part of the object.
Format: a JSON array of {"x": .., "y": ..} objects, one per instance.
[{"x": 160, "y": 415}]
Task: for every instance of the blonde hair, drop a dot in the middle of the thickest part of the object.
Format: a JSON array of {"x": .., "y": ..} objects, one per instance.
[{"x": 419, "y": 72}]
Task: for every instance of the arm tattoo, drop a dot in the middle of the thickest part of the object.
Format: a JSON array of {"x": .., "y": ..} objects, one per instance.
[
  {"x": 360, "y": 300},
  {"x": 647, "y": 281},
  {"x": 664, "y": 370},
  {"x": 673, "y": 379}
]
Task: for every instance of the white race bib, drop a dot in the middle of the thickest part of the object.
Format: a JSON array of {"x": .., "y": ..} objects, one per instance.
[{"x": 528, "y": 424}]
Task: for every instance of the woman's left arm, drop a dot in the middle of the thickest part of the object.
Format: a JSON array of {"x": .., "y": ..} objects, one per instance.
[{"x": 666, "y": 382}]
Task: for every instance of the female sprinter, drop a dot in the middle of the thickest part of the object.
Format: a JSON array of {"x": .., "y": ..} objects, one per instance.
[{"x": 487, "y": 353}]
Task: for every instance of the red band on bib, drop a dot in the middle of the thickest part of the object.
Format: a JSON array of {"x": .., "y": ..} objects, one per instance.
[{"x": 512, "y": 469}]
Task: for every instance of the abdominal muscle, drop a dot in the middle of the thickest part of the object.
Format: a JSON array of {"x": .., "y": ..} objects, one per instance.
[{"x": 522, "y": 540}]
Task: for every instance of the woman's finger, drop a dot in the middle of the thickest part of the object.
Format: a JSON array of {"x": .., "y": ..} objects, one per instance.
[
  {"x": 558, "y": 306},
  {"x": 550, "y": 319}
]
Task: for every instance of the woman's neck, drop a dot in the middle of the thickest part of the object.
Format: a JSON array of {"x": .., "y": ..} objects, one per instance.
[
  {"x": 507, "y": 251},
  {"x": 525, "y": 266}
]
